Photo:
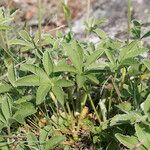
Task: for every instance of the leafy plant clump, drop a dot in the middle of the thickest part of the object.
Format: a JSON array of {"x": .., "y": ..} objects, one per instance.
[{"x": 63, "y": 93}]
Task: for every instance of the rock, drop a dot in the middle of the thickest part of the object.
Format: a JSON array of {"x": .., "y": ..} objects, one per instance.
[{"x": 116, "y": 12}]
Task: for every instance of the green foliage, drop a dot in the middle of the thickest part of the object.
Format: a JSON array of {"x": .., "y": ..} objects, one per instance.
[{"x": 67, "y": 91}]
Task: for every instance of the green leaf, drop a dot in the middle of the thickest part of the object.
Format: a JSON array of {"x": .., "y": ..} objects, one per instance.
[
  {"x": 93, "y": 57},
  {"x": 75, "y": 54},
  {"x": 59, "y": 93},
  {"x": 110, "y": 56},
  {"x": 100, "y": 33},
  {"x": 11, "y": 73},
  {"x": 6, "y": 108},
  {"x": 66, "y": 11},
  {"x": 2, "y": 125},
  {"x": 2, "y": 118},
  {"x": 64, "y": 83},
  {"x": 128, "y": 141},
  {"x": 25, "y": 109},
  {"x": 125, "y": 106},
  {"x": 30, "y": 80},
  {"x": 136, "y": 30},
  {"x": 67, "y": 147},
  {"x": 131, "y": 50},
  {"x": 25, "y": 35},
  {"x": 100, "y": 21},
  {"x": 147, "y": 34},
  {"x": 23, "y": 99},
  {"x": 147, "y": 106},
  {"x": 143, "y": 134},
  {"x": 32, "y": 140},
  {"x": 54, "y": 141},
  {"x": 5, "y": 27},
  {"x": 43, "y": 136},
  {"x": 20, "y": 42},
  {"x": 34, "y": 69},
  {"x": 98, "y": 66},
  {"x": 80, "y": 79},
  {"x": 47, "y": 63},
  {"x": 62, "y": 66},
  {"x": 4, "y": 87},
  {"x": 92, "y": 78},
  {"x": 128, "y": 48},
  {"x": 26, "y": 48},
  {"x": 124, "y": 118},
  {"x": 146, "y": 62},
  {"x": 42, "y": 92}
]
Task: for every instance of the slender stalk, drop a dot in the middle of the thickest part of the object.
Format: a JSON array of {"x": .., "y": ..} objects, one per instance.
[
  {"x": 129, "y": 20},
  {"x": 9, "y": 132},
  {"x": 95, "y": 111},
  {"x": 40, "y": 23},
  {"x": 111, "y": 93},
  {"x": 54, "y": 100},
  {"x": 87, "y": 16},
  {"x": 70, "y": 116}
]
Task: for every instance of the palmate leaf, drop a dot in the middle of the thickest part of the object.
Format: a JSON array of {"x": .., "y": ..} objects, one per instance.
[
  {"x": 80, "y": 79},
  {"x": 20, "y": 42},
  {"x": 54, "y": 141},
  {"x": 47, "y": 63},
  {"x": 62, "y": 66},
  {"x": 23, "y": 99},
  {"x": 124, "y": 118},
  {"x": 75, "y": 53},
  {"x": 2, "y": 27},
  {"x": 64, "y": 83},
  {"x": 128, "y": 141},
  {"x": 25, "y": 35},
  {"x": 93, "y": 57},
  {"x": 5, "y": 87},
  {"x": 24, "y": 109},
  {"x": 92, "y": 78},
  {"x": 2, "y": 118},
  {"x": 131, "y": 50},
  {"x": 128, "y": 48},
  {"x": 2, "y": 125},
  {"x": 146, "y": 62},
  {"x": 143, "y": 134},
  {"x": 59, "y": 93},
  {"x": 110, "y": 56},
  {"x": 147, "y": 34},
  {"x": 11, "y": 72},
  {"x": 6, "y": 108},
  {"x": 100, "y": 33},
  {"x": 34, "y": 69},
  {"x": 42, "y": 92},
  {"x": 147, "y": 106},
  {"x": 43, "y": 135},
  {"x": 32, "y": 140},
  {"x": 37, "y": 71},
  {"x": 30, "y": 80}
]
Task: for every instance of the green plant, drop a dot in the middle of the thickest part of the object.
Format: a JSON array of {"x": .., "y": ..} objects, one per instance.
[{"x": 59, "y": 91}]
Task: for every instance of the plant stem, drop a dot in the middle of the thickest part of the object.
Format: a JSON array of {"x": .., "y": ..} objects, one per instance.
[
  {"x": 87, "y": 17},
  {"x": 39, "y": 24},
  {"x": 111, "y": 93},
  {"x": 92, "y": 104},
  {"x": 129, "y": 20}
]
